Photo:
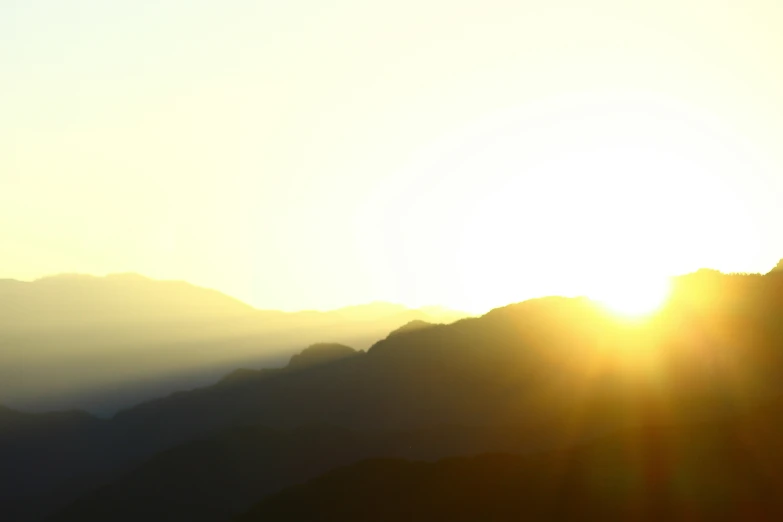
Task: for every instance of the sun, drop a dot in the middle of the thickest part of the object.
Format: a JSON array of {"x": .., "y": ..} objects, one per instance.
[{"x": 635, "y": 298}]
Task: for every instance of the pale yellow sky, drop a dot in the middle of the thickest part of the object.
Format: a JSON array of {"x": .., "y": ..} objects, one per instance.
[{"x": 304, "y": 155}]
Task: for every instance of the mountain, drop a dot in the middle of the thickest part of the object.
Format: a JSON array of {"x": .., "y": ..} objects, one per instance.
[
  {"x": 43, "y": 451},
  {"x": 524, "y": 361},
  {"x": 213, "y": 479},
  {"x": 104, "y": 343},
  {"x": 411, "y": 327},
  {"x": 23, "y": 427},
  {"x": 560, "y": 370},
  {"x": 72, "y": 300},
  {"x": 314, "y": 355},
  {"x": 708, "y": 472},
  {"x": 320, "y": 353},
  {"x": 217, "y": 478}
]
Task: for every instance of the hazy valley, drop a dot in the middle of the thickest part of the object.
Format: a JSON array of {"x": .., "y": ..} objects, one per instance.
[{"x": 101, "y": 344}]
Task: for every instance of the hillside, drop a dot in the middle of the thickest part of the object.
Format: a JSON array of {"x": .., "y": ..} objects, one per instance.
[
  {"x": 213, "y": 479},
  {"x": 708, "y": 472},
  {"x": 523, "y": 361},
  {"x": 559, "y": 370}
]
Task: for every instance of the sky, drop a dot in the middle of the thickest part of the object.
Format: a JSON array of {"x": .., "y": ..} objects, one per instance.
[{"x": 310, "y": 155}]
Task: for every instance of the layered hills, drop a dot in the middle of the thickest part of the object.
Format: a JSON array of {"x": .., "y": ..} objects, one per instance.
[
  {"x": 104, "y": 343},
  {"x": 723, "y": 471},
  {"x": 538, "y": 376}
]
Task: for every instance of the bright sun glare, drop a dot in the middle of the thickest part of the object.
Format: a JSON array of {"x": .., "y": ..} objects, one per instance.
[
  {"x": 634, "y": 299},
  {"x": 572, "y": 195}
]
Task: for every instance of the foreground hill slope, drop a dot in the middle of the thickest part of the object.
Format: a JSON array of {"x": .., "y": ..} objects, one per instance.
[
  {"x": 714, "y": 472},
  {"x": 42, "y": 450},
  {"x": 213, "y": 479}
]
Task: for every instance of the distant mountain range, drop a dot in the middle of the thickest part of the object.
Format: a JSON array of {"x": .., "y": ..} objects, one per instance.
[
  {"x": 540, "y": 376},
  {"x": 102, "y": 343}
]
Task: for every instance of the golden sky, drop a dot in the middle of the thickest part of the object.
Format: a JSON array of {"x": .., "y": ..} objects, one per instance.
[{"x": 317, "y": 154}]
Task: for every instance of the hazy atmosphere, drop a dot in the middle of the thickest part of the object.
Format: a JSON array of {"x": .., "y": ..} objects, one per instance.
[
  {"x": 431, "y": 261},
  {"x": 299, "y": 155}
]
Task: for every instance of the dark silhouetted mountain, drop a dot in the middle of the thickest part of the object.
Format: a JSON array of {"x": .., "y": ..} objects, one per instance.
[
  {"x": 527, "y": 361},
  {"x": 716, "y": 472},
  {"x": 102, "y": 343},
  {"x": 411, "y": 327},
  {"x": 215, "y": 479},
  {"x": 320, "y": 353},
  {"x": 244, "y": 374},
  {"x": 211, "y": 480},
  {"x": 17, "y": 424},
  {"x": 39, "y": 452},
  {"x": 563, "y": 369},
  {"x": 314, "y": 355}
]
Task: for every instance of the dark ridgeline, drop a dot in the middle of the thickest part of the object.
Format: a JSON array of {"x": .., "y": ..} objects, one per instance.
[
  {"x": 668, "y": 472},
  {"x": 727, "y": 471},
  {"x": 705, "y": 373},
  {"x": 320, "y": 353},
  {"x": 216, "y": 478}
]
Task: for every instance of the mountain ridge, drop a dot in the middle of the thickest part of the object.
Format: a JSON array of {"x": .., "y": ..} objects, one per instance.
[
  {"x": 712, "y": 351},
  {"x": 144, "y": 338}
]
